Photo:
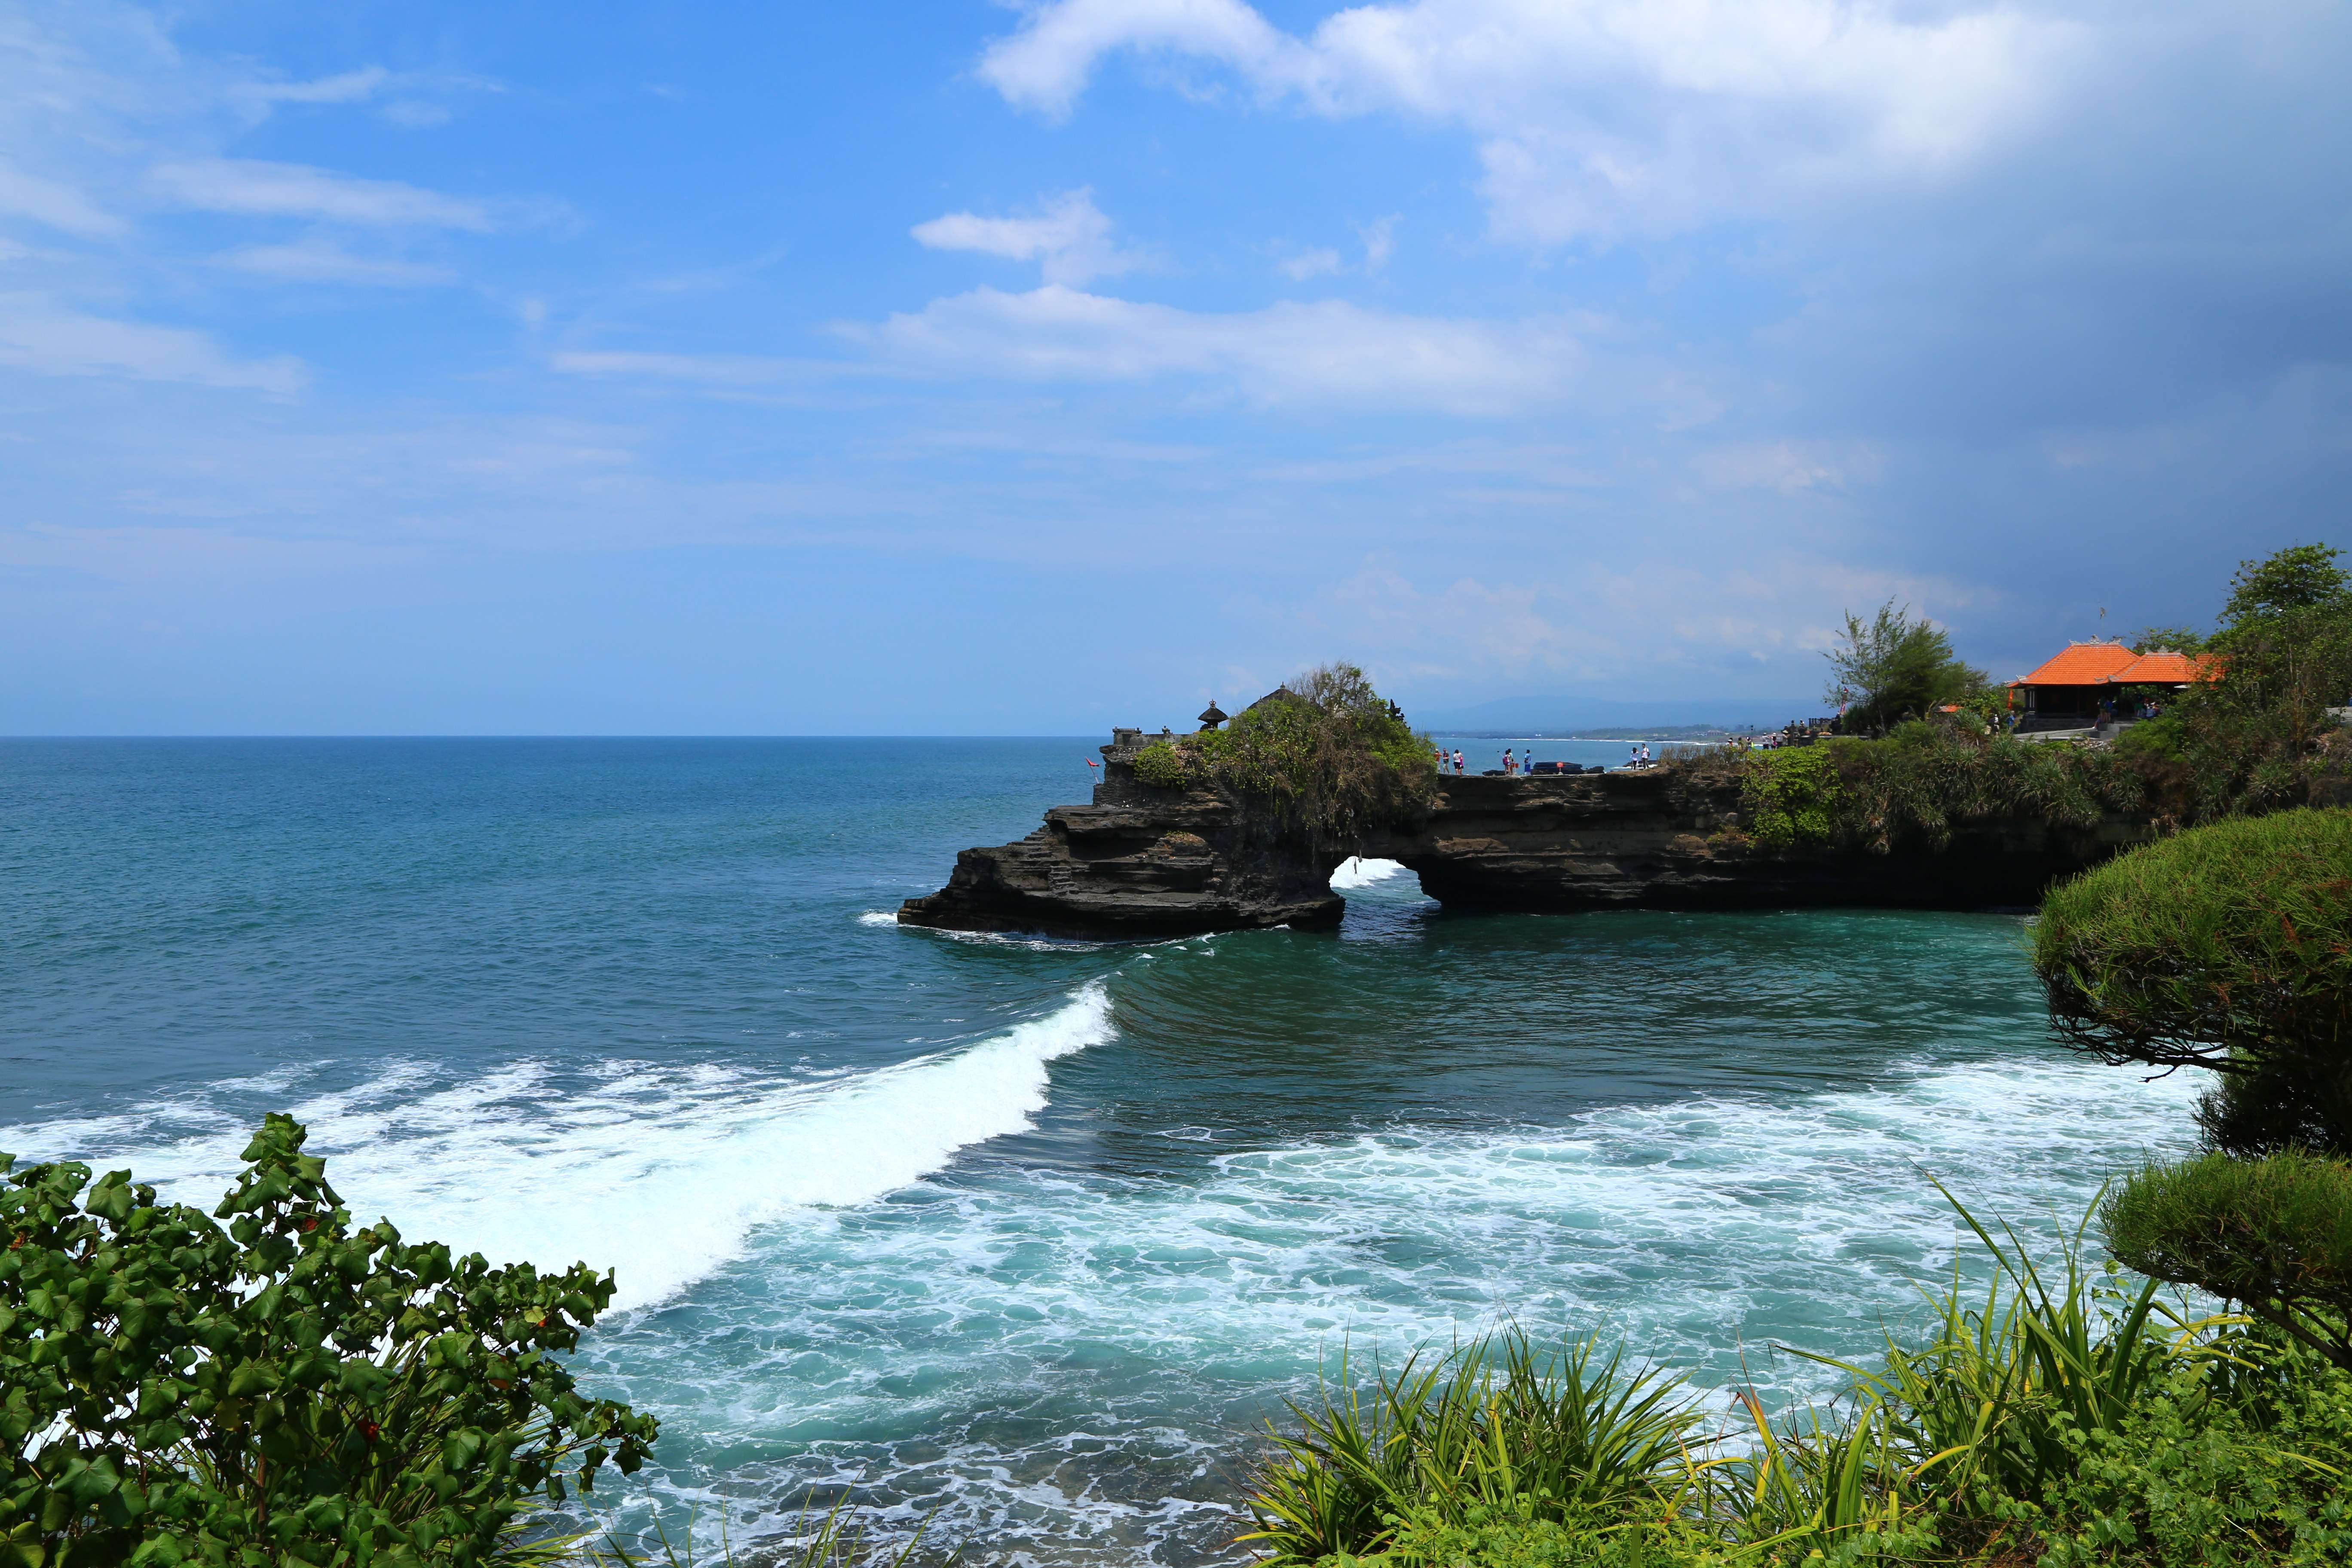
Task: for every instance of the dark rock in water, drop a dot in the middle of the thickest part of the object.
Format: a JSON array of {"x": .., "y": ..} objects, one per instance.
[
  {"x": 1187, "y": 862},
  {"x": 1142, "y": 862}
]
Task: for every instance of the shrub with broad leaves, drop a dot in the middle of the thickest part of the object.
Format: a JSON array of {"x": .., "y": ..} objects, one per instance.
[{"x": 282, "y": 1389}]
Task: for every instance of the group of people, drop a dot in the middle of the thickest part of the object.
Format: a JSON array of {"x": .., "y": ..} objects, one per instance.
[{"x": 1439, "y": 752}]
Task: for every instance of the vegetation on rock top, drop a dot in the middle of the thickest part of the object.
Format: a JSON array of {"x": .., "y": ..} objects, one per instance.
[{"x": 1326, "y": 751}]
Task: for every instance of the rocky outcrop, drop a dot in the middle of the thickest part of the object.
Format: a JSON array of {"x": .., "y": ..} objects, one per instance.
[
  {"x": 1649, "y": 840},
  {"x": 1156, "y": 863},
  {"x": 1144, "y": 862}
]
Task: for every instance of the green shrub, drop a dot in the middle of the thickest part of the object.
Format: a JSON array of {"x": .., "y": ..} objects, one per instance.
[
  {"x": 285, "y": 1391},
  {"x": 2228, "y": 947},
  {"x": 2232, "y": 1461},
  {"x": 1162, "y": 766},
  {"x": 2275, "y": 1234},
  {"x": 1330, "y": 756},
  {"x": 1789, "y": 797}
]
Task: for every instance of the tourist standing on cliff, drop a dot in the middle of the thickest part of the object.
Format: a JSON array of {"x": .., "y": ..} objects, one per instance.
[
  {"x": 1439, "y": 752},
  {"x": 1457, "y": 761},
  {"x": 1510, "y": 763}
]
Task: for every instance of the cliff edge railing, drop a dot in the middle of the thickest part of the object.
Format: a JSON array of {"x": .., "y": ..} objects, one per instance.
[{"x": 1142, "y": 862}]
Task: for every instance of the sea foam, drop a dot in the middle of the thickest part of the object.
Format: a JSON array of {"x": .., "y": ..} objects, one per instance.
[
  {"x": 1359, "y": 872},
  {"x": 659, "y": 1172}
]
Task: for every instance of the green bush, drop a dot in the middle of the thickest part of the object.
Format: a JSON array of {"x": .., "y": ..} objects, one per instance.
[
  {"x": 1162, "y": 766},
  {"x": 1328, "y": 753},
  {"x": 2234, "y": 1461},
  {"x": 2227, "y": 947},
  {"x": 2275, "y": 1232},
  {"x": 1789, "y": 797},
  {"x": 287, "y": 1390}
]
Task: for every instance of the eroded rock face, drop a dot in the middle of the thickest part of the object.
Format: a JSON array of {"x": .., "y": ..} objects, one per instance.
[
  {"x": 1648, "y": 840},
  {"x": 1142, "y": 862}
]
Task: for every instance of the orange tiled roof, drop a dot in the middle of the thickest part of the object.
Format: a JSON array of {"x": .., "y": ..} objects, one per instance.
[
  {"x": 2084, "y": 664},
  {"x": 2164, "y": 669}
]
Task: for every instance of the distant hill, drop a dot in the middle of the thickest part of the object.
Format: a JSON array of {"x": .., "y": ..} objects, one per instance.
[{"x": 1573, "y": 717}]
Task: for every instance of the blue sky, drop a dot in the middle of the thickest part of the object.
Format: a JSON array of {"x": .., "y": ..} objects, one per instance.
[{"x": 945, "y": 367}]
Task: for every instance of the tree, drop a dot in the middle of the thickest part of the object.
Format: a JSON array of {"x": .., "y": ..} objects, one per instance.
[
  {"x": 2167, "y": 639},
  {"x": 1894, "y": 667},
  {"x": 285, "y": 1391},
  {"x": 2257, "y": 735},
  {"x": 2229, "y": 948},
  {"x": 2299, "y": 577}
]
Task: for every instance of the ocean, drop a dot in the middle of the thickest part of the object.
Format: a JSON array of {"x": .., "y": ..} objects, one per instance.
[{"x": 1020, "y": 1242}]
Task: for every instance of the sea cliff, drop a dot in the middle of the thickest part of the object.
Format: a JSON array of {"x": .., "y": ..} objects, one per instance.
[{"x": 1144, "y": 862}]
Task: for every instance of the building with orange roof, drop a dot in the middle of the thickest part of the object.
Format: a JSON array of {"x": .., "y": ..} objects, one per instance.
[{"x": 2071, "y": 688}]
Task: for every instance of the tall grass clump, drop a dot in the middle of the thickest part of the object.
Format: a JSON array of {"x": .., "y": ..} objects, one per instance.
[{"x": 2057, "y": 1415}]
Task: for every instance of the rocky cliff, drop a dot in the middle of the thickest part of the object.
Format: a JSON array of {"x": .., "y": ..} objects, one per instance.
[{"x": 1142, "y": 862}]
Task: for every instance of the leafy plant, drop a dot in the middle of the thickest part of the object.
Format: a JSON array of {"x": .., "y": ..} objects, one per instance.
[{"x": 285, "y": 1390}]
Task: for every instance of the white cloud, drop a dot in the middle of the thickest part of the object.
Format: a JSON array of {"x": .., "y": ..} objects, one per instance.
[
  {"x": 346, "y": 87},
  {"x": 1327, "y": 353},
  {"x": 321, "y": 261},
  {"x": 1309, "y": 264},
  {"x": 1789, "y": 468},
  {"x": 1071, "y": 239},
  {"x": 1379, "y": 242},
  {"x": 38, "y": 334},
  {"x": 294, "y": 190},
  {"x": 1602, "y": 117},
  {"x": 47, "y": 202}
]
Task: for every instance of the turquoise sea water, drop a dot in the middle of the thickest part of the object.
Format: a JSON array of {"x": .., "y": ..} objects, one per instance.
[{"x": 1024, "y": 1237}]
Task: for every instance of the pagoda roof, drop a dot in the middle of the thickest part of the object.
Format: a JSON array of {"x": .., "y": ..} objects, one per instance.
[
  {"x": 2082, "y": 664},
  {"x": 2164, "y": 667}
]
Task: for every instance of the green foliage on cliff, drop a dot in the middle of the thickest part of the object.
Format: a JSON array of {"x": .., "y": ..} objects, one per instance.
[
  {"x": 1789, "y": 797},
  {"x": 1912, "y": 789},
  {"x": 1327, "y": 752},
  {"x": 282, "y": 1389},
  {"x": 1162, "y": 766}
]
